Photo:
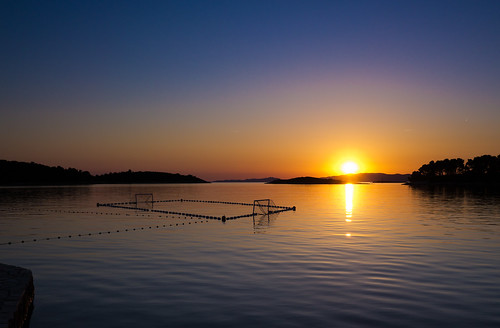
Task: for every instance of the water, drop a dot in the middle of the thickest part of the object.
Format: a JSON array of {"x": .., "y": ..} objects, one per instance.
[{"x": 380, "y": 255}]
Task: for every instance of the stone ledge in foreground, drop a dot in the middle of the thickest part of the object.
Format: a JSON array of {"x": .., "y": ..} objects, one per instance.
[{"x": 16, "y": 296}]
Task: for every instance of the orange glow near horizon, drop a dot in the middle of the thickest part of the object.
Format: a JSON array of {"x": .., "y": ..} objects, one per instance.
[{"x": 215, "y": 147}]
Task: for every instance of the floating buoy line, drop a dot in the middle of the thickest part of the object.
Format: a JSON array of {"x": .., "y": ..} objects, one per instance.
[
  {"x": 173, "y": 215},
  {"x": 271, "y": 209},
  {"x": 95, "y": 213},
  {"x": 101, "y": 232},
  {"x": 70, "y": 236}
]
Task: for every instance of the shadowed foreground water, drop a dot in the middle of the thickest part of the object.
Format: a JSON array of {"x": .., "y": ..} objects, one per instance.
[{"x": 381, "y": 255}]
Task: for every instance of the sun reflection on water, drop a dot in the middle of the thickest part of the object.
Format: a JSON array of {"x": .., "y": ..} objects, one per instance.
[{"x": 349, "y": 194}]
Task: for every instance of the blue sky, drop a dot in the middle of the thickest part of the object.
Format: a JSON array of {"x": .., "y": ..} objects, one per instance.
[{"x": 101, "y": 76}]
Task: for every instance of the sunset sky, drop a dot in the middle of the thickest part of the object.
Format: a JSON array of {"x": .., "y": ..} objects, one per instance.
[{"x": 242, "y": 89}]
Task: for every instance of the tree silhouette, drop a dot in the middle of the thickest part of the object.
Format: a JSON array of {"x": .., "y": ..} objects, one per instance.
[
  {"x": 485, "y": 168},
  {"x": 484, "y": 165}
]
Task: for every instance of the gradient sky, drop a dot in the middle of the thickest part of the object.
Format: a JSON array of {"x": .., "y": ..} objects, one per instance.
[{"x": 239, "y": 89}]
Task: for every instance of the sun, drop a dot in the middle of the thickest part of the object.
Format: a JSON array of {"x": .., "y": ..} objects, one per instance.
[{"x": 349, "y": 168}]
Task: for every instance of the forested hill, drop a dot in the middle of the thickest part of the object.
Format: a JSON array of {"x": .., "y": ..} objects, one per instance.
[
  {"x": 147, "y": 177},
  {"x": 24, "y": 173},
  {"x": 479, "y": 170}
]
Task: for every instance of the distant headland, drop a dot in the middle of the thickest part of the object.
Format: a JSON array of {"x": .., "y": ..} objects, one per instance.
[
  {"x": 248, "y": 180},
  {"x": 481, "y": 170},
  {"x": 372, "y": 177},
  {"x": 347, "y": 178},
  {"x": 13, "y": 173},
  {"x": 305, "y": 180}
]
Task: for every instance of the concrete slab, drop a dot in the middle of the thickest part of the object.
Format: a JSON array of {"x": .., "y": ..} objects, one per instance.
[{"x": 17, "y": 293}]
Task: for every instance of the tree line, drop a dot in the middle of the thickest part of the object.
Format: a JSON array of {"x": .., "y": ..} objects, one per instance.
[
  {"x": 485, "y": 168},
  {"x": 24, "y": 173}
]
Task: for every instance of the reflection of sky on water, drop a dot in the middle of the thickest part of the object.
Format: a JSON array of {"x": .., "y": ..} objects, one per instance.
[
  {"x": 263, "y": 222},
  {"x": 458, "y": 210},
  {"x": 437, "y": 251}
]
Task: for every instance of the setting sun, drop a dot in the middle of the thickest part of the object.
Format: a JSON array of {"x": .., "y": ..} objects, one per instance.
[{"x": 349, "y": 168}]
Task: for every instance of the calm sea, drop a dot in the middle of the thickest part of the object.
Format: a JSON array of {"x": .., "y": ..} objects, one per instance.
[{"x": 377, "y": 255}]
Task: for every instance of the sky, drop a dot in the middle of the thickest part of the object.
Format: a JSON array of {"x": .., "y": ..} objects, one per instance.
[{"x": 245, "y": 89}]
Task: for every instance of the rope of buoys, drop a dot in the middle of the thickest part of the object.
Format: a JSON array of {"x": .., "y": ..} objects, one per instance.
[
  {"x": 179, "y": 214},
  {"x": 222, "y": 218},
  {"x": 119, "y": 205},
  {"x": 96, "y": 233}
]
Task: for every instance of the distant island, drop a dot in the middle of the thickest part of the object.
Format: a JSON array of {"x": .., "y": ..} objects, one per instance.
[
  {"x": 347, "y": 178},
  {"x": 248, "y": 180},
  {"x": 24, "y": 173},
  {"x": 481, "y": 170},
  {"x": 305, "y": 180},
  {"x": 372, "y": 177}
]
